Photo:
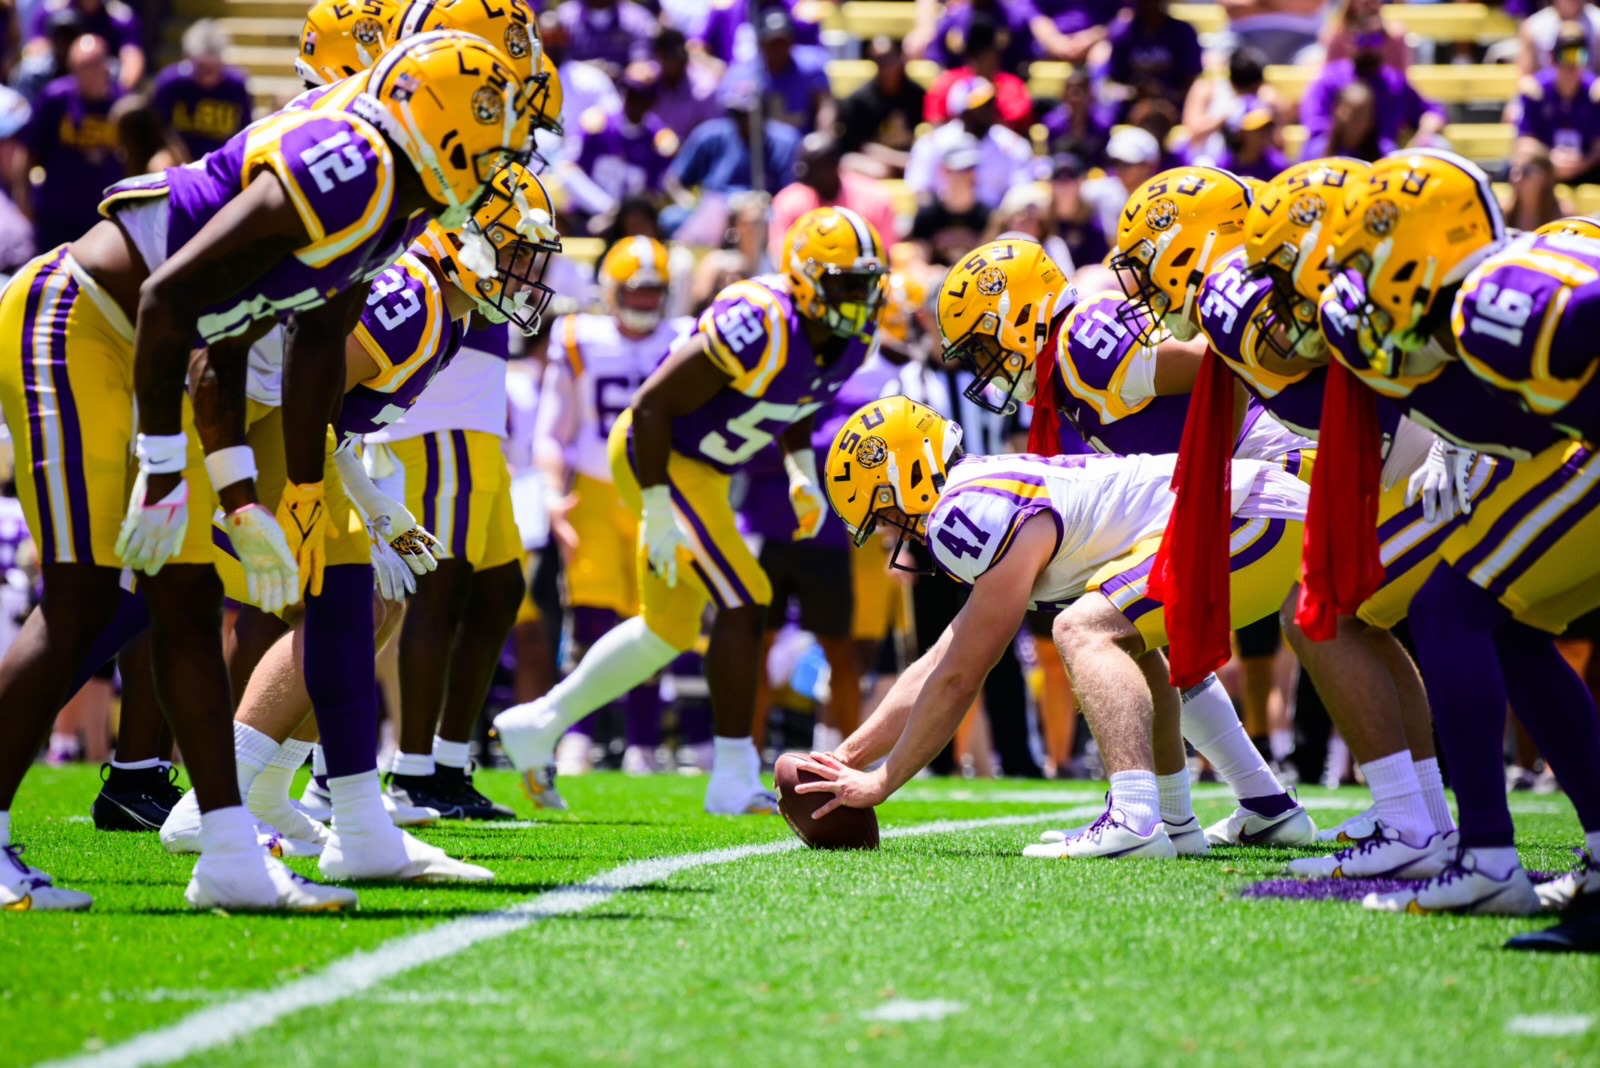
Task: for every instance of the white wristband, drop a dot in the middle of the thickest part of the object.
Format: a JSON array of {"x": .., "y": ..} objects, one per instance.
[
  {"x": 233, "y": 464},
  {"x": 161, "y": 454},
  {"x": 801, "y": 465}
]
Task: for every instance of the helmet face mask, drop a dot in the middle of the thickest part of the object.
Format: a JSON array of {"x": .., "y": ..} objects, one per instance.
[
  {"x": 640, "y": 308},
  {"x": 851, "y": 296},
  {"x": 1147, "y": 304},
  {"x": 998, "y": 373},
  {"x": 834, "y": 262},
  {"x": 500, "y": 255}
]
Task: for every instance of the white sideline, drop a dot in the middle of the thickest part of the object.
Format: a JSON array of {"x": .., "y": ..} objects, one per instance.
[{"x": 236, "y": 1018}]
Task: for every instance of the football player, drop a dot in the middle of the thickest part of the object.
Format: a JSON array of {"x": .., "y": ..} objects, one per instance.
[
  {"x": 767, "y": 355},
  {"x": 1521, "y": 566},
  {"x": 1074, "y": 533},
  {"x": 292, "y": 216},
  {"x": 1054, "y": 360},
  {"x": 597, "y": 363},
  {"x": 1184, "y": 261}
]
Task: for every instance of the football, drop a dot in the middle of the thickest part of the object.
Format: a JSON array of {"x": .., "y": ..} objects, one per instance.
[{"x": 843, "y": 828}]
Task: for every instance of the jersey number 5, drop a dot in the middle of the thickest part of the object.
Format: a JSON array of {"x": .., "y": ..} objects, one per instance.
[
  {"x": 334, "y": 160},
  {"x": 751, "y": 435}
]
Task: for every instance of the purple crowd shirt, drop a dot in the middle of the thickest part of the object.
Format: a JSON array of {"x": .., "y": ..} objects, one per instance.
[
  {"x": 204, "y": 119},
  {"x": 75, "y": 142}
]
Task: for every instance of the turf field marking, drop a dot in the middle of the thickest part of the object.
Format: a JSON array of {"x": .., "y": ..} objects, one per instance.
[
  {"x": 1548, "y": 1026},
  {"x": 236, "y": 1018},
  {"x": 905, "y": 1010},
  {"x": 1060, "y": 795}
]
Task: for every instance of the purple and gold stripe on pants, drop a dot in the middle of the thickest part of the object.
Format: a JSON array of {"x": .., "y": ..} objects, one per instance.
[
  {"x": 55, "y": 438},
  {"x": 1251, "y": 539},
  {"x": 1531, "y": 527},
  {"x": 447, "y": 490}
]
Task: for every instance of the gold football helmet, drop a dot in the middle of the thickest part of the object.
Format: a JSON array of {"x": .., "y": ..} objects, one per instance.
[
  {"x": 903, "y": 326},
  {"x": 341, "y": 38},
  {"x": 996, "y": 309},
  {"x": 888, "y": 464},
  {"x": 1575, "y": 225},
  {"x": 547, "y": 98},
  {"x": 500, "y": 256},
  {"x": 1174, "y": 228},
  {"x": 1416, "y": 227},
  {"x": 456, "y": 110},
  {"x": 634, "y": 277},
  {"x": 1288, "y": 234},
  {"x": 835, "y": 264}
]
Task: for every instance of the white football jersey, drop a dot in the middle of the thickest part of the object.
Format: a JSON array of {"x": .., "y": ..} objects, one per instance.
[
  {"x": 607, "y": 369},
  {"x": 1102, "y": 507},
  {"x": 468, "y": 393}
]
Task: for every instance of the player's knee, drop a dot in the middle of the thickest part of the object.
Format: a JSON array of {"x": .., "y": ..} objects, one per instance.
[
  {"x": 184, "y": 594},
  {"x": 1080, "y": 631},
  {"x": 499, "y": 591}
]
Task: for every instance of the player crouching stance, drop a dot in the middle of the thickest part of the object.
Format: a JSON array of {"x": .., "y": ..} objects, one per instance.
[{"x": 1026, "y": 532}]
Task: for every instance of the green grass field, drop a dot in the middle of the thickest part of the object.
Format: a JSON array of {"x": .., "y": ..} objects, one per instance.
[{"x": 946, "y": 947}]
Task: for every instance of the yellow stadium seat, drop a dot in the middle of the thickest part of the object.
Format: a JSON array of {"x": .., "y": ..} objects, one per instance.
[
  {"x": 905, "y": 201},
  {"x": 1205, "y": 18},
  {"x": 1586, "y": 199},
  {"x": 1441, "y": 83},
  {"x": 865, "y": 19},
  {"x": 845, "y": 76}
]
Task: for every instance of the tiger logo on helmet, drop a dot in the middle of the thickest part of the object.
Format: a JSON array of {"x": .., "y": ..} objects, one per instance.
[
  {"x": 456, "y": 160},
  {"x": 341, "y": 38},
  {"x": 887, "y": 467},
  {"x": 500, "y": 256},
  {"x": 1173, "y": 229},
  {"x": 835, "y": 263},
  {"x": 634, "y": 278},
  {"x": 997, "y": 308},
  {"x": 1288, "y": 235},
  {"x": 1415, "y": 229}
]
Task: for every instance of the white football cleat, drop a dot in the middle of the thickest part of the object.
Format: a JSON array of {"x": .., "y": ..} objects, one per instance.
[
  {"x": 1290, "y": 828},
  {"x": 396, "y": 856},
  {"x": 403, "y": 815},
  {"x": 539, "y": 786},
  {"x": 180, "y": 833},
  {"x": 24, "y": 888},
  {"x": 1357, "y": 828},
  {"x": 1109, "y": 837},
  {"x": 315, "y": 802},
  {"x": 755, "y": 802},
  {"x": 255, "y": 881},
  {"x": 1187, "y": 838},
  {"x": 1461, "y": 887},
  {"x": 1558, "y": 893},
  {"x": 298, "y": 831},
  {"x": 1385, "y": 855}
]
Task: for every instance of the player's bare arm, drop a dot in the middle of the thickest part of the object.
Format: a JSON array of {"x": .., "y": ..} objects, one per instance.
[
  {"x": 875, "y": 738},
  {"x": 1178, "y": 365},
  {"x": 314, "y": 379}
]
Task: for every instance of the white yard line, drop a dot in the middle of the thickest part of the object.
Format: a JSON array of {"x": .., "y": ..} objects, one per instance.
[
  {"x": 1056, "y": 795},
  {"x": 236, "y": 1018},
  {"x": 904, "y": 1010},
  {"x": 1548, "y": 1026}
]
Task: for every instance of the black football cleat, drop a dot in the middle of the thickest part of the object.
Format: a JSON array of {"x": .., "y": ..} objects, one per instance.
[
  {"x": 135, "y": 800},
  {"x": 1578, "y": 931},
  {"x": 450, "y": 790}
]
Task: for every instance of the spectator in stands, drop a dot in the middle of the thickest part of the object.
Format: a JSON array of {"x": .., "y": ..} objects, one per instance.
[
  {"x": 716, "y": 157},
  {"x": 1399, "y": 112},
  {"x": 1010, "y": 18},
  {"x": 1159, "y": 117},
  {"x": 686, "y": 93},
  {"x": 145, "y": 144},
  {"x": 1354, "y": 131},
  {"x": 950, "y": 225},
  {"x": 201, "y": 99},
  {"x": 1135, "y": 158},
  {"x": 794, "y": 77},
  {"x": 1076, "y": 224},
  {"x": 624, "y": 153},
  {"x": 1355, "y": 18},
  {"x": 1560, "y": 108},
  {"x": 1213, "y": 100},
  {"x": 747, "y": 232},
  {"x": 42, "y": 63},
  {"x": 714, "y": 273},
  {"x": 819, "y": 182},
  {"x": 110, "y": 20},
  {"x": 1541, "y": 29},
  {"x": 879, "y": 120},
  {"x": 606, "y": 32},
  {"x": 1152, "y": 53},
  {"x": 1533, "y": 200},
  {"x": 71, "y": 138},
  {"x": 583, "y": 86},
  {"x": 1080, "y": 124},
  {"x": 1248, "y": 138},
  {"x": 982, "y": 61},
  {"x": 1282, "y": 30},
  {"x": 726, "y": 32},
  {"x": 1070, "y": 29},
  {"x": 1007, "y": 157},
  {"x": 16, "y": 232}
]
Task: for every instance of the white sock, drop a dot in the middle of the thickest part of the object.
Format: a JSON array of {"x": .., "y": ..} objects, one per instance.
[
  {"x": 451, "y": 754},
  {"x": 1176, "y": 806},
  {"x": 1397, "y": 796},
  {"x": 228, "y": 830},
  {"x": 270, "y": 790},
  {"x": 735, "y": 758},
  {"x": 252, "y": 751},
  {"x": 1591, "y": 839},
  {"x": 358, "y": 803},
  {"x": 319, "y": 763},
  {"x": 1136, "y": 794},
  {"x": 1498, "y": 862},
  {"x": 412, "y": 763},
  {"x": 622, "y": 658},
  {"x": 136, "y": 765},
  {"x": 5, "y": 828},
  {"x": 1212, "y": 726},
  {"x": 1432, "y": 784}
]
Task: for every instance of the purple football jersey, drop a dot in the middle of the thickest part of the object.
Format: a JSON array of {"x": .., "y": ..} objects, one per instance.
[
  {"x": 757, "y": 336},
  {"x": 408, "y": 331},
  {"x": 1097, "y": 354},
  {"x": 339, "y": 173}
]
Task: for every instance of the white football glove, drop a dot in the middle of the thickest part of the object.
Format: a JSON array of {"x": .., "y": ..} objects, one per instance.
[
  {"x": 661, "y": 533},
  {"x": 393, "y": 521},
  {"x": 272, "y": 577},
  {"x": 151, "y": 533},
  {"x": 390, "y": 574},
  {"x": 1441, "y": 482},
  {"x": 810, "y": 506}
]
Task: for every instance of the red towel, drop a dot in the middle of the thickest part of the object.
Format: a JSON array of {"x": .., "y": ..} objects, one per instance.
[
  {"x": 1044, "y": 433},
  {"x": 1340, "y": 566},
  {"x": 1190, "y": 572}
]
